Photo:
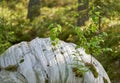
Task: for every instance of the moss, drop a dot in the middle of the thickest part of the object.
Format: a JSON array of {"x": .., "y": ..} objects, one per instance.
[
  {"x": 93, "y": 69},
  {"x": 22, "y": 60},
  {"x": 11, "y": 68},
  {"x": 62, "y": 53},
  {"x": 105, "y": 80},
  {"x": 77, "y": 72},
  {"x": 46, "y": 81}
]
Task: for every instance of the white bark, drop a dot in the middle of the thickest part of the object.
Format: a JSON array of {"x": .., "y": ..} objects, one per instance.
[{"x": 38, "y": 61}]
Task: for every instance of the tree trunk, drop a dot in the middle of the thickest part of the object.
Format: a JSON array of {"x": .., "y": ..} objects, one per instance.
[
  {"x": 83, "y": 10},
  {"x": 33, "y": 9}
]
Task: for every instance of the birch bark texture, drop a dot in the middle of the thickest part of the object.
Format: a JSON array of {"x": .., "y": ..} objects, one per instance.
[{"x": 38, "y": 61}]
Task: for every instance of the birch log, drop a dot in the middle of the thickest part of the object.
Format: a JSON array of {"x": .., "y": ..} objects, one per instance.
[{"x": 38, "y": 61}]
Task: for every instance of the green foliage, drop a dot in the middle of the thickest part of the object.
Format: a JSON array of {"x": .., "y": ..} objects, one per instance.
[
  {"x": 79, "y": 70},
  {"x": 54, "y": 32},
  {"x": 5, "y": 35},
  {"x": 91, "y": 38},
  {"x": 108, "y": 8},
  {"x": 54, "y": 3},
  {"x": 112, "y": 62},
  {"x": 12, "y": 27}
]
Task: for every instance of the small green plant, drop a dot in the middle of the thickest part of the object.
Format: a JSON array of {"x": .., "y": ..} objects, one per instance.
[
  {"x": 79, "y": 71},
  {"x": 90, "y": 37},
  {"x": 79, "y": 68},
  {"x": 54, "y": 32}
]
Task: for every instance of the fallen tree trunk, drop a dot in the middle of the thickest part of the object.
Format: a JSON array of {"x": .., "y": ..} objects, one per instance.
[{"x": 38, "y": 61}]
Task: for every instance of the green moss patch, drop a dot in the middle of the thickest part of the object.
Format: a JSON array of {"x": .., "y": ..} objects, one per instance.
[
  {"x": 77, "y": 72},
  {"x": 11, "y": 68},
  {"x": 46, "y": 81},
  {"x": 105, "y": 80},
  {"x": 93, "y": 69}
]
